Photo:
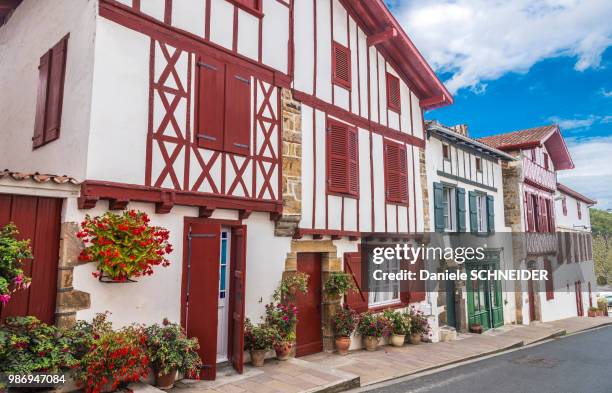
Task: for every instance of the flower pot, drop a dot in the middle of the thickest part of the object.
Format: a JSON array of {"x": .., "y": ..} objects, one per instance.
[
  {"x": 342, "y": 345},
  {"x": 165, "y": 381},
  {"x": 397, "y": 340},
  {"x": 371, "y": 343},
  {"x": 592, "y": 313},
  {"x": 257, "y": 357},
  {"x": 283, "y": 350},
  {"x": 476, "y": 329},
  {"x": 415, "y": 338}
]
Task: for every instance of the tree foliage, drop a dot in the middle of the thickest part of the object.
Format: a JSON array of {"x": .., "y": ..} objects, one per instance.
[{"x": 601, "y": 227}]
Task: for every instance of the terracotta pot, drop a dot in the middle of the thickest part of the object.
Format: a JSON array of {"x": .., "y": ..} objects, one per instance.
[
  {"x": 371, "y": 343},
  {"x": 342, "y": 345},
  {"x": 415, "y": 338},
  {"x": 283, "y": 350},
  {"x": 397, "y": 340},
  {"x": 592, "y": 313},
  {"x": 257, "y": 357},
  {"x": 165, "y": 381},
  {"x": 476, "y": 329}
]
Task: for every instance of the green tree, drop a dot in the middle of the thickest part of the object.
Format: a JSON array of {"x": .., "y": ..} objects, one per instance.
[{"x": 601, "y": 226}]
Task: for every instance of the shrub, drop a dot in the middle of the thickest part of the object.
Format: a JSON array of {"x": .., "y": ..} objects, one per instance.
[
  {"x": 283, "y": 318},
  {"x": 339, "y": 284},
  {"x": 291, "y": 284},
  {"x": 602, "y": 303},
  {"x": 418, "y": 322},
  {"x": 124, "y": 246},
  {"x": 399, "y": 321},
  {"x": 259, "y": 337},
  {"x": 374, "y": 325},
  {"x": 345, "y": 321},
  {"x": 12, "y": 253},
  {"x": 169, "y": 348}
]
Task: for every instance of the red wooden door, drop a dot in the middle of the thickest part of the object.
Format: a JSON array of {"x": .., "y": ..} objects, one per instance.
[
  {"x": 532, "y": 310},
  {"x": 37, "y": 219},
  {"x": 237, "y": 292},
  {"x": 579, "y": 307},
  {"x": 201, "y": 291},
  {"x": 309, "y": 306}
]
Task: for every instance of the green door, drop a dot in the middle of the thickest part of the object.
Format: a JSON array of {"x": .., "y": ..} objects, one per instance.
[
  {"x": 450, "y": 304},
  {"x": 484, "y": 298}
]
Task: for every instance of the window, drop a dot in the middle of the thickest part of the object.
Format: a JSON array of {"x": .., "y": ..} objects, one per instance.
[
  {"x": 450, "y": 209},
  {"x": 342, "y": 158},
  {"x": 564, "y": 205},
  {"x": 579, "y": 210},
  {"x": 393, "y": 93},
  {"x": 446, "y": 151},
  {"x": 224, "y": 107},
  {"x": 481, "y": 212},
  {"x": 478, "y": 164},
  {"x": 385, "y": 292},
  {"x": 545, "y": 161},
  {"x": 51, "y": 77},
  {"x": 533, "y": 155},
  {"x": 396, "y": 173},
  {"x": 341, "y": 65}
]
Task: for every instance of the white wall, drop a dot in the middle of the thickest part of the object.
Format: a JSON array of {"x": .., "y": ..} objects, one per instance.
[
  {"x": 30, "y": 32},
  {"x": 570, "y": 221}
]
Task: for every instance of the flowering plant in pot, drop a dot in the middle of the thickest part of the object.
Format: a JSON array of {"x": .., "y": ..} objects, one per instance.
[
  {"x": 170, "y": 350},
  {"x": 400, "y": 326},
  {"x": 372, "y": 327},
  {"x": 12, "y": 254},
  {"x": 124, "y": 246},
  {"x": 282, "y": 317},
  {"x": 418, "y": 325},
  {"x": 291, "y": 284},
  {"x": 344, "y": 322},
  {"x": 338, "y": 284},
  {"x": 114, "y": 358},
  {"x": 258, "y": 339}
]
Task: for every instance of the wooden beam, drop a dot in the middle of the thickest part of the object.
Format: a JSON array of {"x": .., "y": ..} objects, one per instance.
[{"x": 387, "y": 34}]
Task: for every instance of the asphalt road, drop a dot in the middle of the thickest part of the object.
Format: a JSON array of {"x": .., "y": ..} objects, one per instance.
[{"x": 580, "y": 363}]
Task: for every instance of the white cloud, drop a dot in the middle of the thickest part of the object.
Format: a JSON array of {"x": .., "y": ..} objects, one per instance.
[
  {"x": 606, "y": 93},
  {"x": 480, "y": 40},
  {"x": 593, "y": 173},
  {"x": 575, "y": 123}
]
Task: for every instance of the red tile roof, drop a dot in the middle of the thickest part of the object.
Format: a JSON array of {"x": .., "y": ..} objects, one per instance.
[
  {"x": 38, "y": 177},
  {"x": 519, "y": 139},
  {"x": 575, "y": 194},
  {"x": 6, "y": 7}
]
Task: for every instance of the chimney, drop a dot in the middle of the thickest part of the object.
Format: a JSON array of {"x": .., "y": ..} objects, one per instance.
[{"x": 461, "y": 129}]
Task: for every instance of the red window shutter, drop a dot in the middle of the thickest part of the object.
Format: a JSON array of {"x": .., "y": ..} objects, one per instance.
[
  {"x": 337, "y": 157},
  {"x": 396, "y": 173},
  {"x": 353, "y": 161},
  {"x": 393, "y": 93},
  {"x": 41, "y": 101},
  {"x": 358, "y": 299},
  {"x": 237, "y": 138},
  {"x": 550, "y": 289},
  {"x": 211, "y": 103},
  {"x": 55, "y": 92},
  {"x": 417, "y": 287},
  {"x": 543, "y": 215},
  {"x": 341, "y": 65}
]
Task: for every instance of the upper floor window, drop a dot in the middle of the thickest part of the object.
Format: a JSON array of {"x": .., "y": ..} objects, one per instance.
[
  {"x": 51, "y": 77},
  {"x": 341, "y": 65},
  {"x": 449, "y": 208},
  {"x": 393, "y": 93},
  {"x": 449, "y": 201},
  {"x": 342, "y": 158},
  {"x": 481, "y": 212},
  {"x": 545, "y": 161},
  {"x": 446, "y": 151},
  {"x": 579, "y": 210},
  {"x": 478, "y": 164},
  {"x": 223, "y": 115},
  {"x": 396, "y": 173}
]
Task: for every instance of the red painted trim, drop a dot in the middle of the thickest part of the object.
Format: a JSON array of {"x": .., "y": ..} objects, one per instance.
[
  {"x": 235, "y": 30},
  {"x": 136, "y": 5},
  {"x": 385, "y": 35},
  {"x": 342, "y": 215},
  {"x": 314, "y": 78},
  {"x": 168, "y": 12},
  {"x": 314, "y": 166},
  {"x": 414, "y": 190},
  {"x": 378, "y": 86},
  {"x": 575, "y": 194},
  {"x": 94, "y": 190},
  {"x": 300, "y": 232},
  {"x": 188, "y": 124},
  {"x": 253, "y": 11},
  {"x": 207, "y": 21},
  {"x": 291, "y": 44},
  {"x": 348, "y": 40},
  {"x": 356, "y": 120},
  {"x": 333, "y": 54},
  {"x": 336, "y": 46},
  {"x": 149, "y": 146},
  {"x": 358, "y": 69}
]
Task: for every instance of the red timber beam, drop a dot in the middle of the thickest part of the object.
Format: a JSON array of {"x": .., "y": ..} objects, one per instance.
[
  {"x": 120, "y": 194},
  {"x": 333, "y": 233},
  {"x": 383, "y": 36}
]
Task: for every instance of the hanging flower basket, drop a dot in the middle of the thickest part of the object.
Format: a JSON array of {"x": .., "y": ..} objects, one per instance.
[{"x": 123, "y": 246}]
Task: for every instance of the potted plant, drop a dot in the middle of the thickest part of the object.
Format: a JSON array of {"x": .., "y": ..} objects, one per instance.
[
  {"x": 476, "y": 328},
  {"x": 418, "y": 326},
  {"x": 12, "y": 254},
  {"x": 372, "y": 327},
  {"x": 123, "y": 246},
  {"x": 291, "y": 284},
  {"x": 171, "y": 351},
  {"x": 593, "y": 311},
  {"x": 602, "y": 304},
  {"x": 283, "y": 318},
  {"x": 338, "y": 284},
  {"x": 344, "y": 322},
  {"x": 258, "y": 339},
  {"x": 400, "y": 326}
]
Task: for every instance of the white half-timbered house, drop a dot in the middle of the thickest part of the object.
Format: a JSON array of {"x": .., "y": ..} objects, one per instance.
[{"x": 268, "y": 136}]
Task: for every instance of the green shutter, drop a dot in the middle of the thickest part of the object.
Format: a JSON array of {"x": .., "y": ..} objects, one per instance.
[
  {"x": 438, "y": 207},
  {"x": 473, "y": 217},
  {"x": 460, "y": 209},
  {"x": 490, "y": 214}
]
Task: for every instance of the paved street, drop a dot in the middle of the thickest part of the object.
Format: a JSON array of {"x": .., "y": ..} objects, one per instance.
[{"x": 574, "y": 364}]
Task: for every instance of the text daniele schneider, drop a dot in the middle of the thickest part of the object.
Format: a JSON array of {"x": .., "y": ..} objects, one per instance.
[{"x": 404, "y": 252}]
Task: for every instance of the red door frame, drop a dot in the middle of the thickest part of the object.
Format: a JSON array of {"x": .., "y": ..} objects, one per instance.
[{"x": 237, "y": 278}]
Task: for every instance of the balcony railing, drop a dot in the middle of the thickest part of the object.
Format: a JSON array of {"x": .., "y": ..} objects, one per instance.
[
  {"x": 540, "y": 243},
  {"x": 539, "y": 175}
]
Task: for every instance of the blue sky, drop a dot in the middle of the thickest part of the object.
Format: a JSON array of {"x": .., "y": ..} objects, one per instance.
[{"x": 524, "y": 63}]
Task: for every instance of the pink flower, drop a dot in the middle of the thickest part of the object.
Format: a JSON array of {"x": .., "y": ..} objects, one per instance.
[
  {"x": 18, "y": 280},
  {"x": 4, "y": 299}
]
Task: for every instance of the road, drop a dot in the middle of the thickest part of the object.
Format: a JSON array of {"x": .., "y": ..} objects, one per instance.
[{"x": 580, "y": 363}]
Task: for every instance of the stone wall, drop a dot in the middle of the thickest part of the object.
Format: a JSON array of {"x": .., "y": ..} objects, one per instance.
[
  {"x": 291, "y": 112},
  {"x": 424, "y": 189}
]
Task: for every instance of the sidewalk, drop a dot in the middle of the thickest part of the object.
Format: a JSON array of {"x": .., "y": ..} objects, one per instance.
[{"x": 329, "y": 372}]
